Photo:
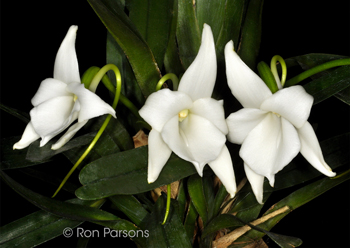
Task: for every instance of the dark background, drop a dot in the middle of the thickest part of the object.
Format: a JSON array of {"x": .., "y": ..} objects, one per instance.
[{"x": 31, "y": 32}]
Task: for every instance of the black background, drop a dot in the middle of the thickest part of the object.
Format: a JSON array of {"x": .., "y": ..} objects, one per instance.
[{"x": 31, "y": 32}]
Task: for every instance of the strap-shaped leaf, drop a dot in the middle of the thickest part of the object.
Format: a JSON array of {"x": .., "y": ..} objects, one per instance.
[
  {"x": 126, "y": 173},
  {"x": 211, "y": 13},
  {"x": 310, "y": 60},
  {"x": 36, "y": 153},
  {"x": 12, "y": 159},
  {"x": 115, "y": 55},
  {"x": 230, "y": 28},
  {"x": 290, "y": 203},
  {"x": 190, "y": 221},
  {"x": 330, "y": 84},
  {"x": 130, "y": 206},
  {"x": 136, "y": 49},
  {"x": 16, "y": 113},
  {"x": 71, "y": 211},
  {"x": 344, "y": 95},
  {"x": 251, "y": 33},
  {"x": 152, "y": 19},
  {"x": 188, "y": 32},
  {"x": 335, "y": 152},
  {"x": 38, "y": 227},
  {"x": 196, "y": 191},
  {"x": 172, "y": 61},
  {"x": 172, "y": 233}
]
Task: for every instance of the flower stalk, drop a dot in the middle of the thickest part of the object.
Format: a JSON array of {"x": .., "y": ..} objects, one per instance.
[
  {"x": 274, "y": 60},
  {"x": 87, "y": 81},
  {"x": 168, "y": 200},
  {"x": 160, "y": 83},
  {"x": 317, "y": 69},
  {"x": 166, "y": 77},
  {"x": 94, "y": 83}
]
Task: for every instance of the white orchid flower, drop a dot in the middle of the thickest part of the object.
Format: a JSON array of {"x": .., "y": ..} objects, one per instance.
[
  {"x": 189, "y": 122},
  {"x": 61, "y": 100},
  {"x": 272, "y": 128}
]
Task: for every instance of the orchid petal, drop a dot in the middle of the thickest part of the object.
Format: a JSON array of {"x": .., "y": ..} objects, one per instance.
[
  {"x": 91, "y": 105},
  {"x": 48, "y": 89},
  {"x": 311, "y": 150},
  {"x": 270, "y": 146},
  {"x": 293, "y": 103},
  {"x": 158, "y": 155},
  {"x": 29, "y": 136},
  {"x": 212, "y": 110},
  {"x": 242, "y": 122},
  {"x": 50, "y": 116},
  {"x": 203, "y": 139},
  {"x": 247, "y": 87},
  {"x": 68, "y": 135},
  {"x": 163, "y": 105},
  {"x": 256, "y": 182},
  {"x": 198, "y": 137},
  {"x": 223, "y": 168},
  {"x": 173, "y": 137},
  {"x": 199, "y": 79},
  {"x": 66, "y": 67}
]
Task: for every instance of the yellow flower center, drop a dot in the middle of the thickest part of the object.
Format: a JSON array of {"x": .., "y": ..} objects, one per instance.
[
  {"x": 75, "y": 98},
  {"x": 276, "y": 114},
  {"x": 183, "y": 114}
]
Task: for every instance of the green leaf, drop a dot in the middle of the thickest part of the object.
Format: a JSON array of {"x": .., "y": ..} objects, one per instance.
[
  {"x": 246, "y": 207},
  {"x": 129, "y": 39},
  {"x": 37, "y": 153},
  {"x": 50, "y": 179},
  {"x": 219, "y": 198},
  {"x": 310, "y": 60},
  {"x": 172, "y": 233},
  {"x": 116, "y": 56},
  {"x": 130, "y": 87},
  {"x": 182, "y": 200},
  {"x": 13, "y": 159},
  {"x": 172, "y": 62},
  {"x": 70, "y": 210},
  {"x": 220, "y": 222},
  {"x": 130, "y": 206},
  {"x": 152, "y": 19},
  {"x": 285, "y": 241},
  {"x": 330, "y": 84},
  {"x": 64, "y": 209},
  {"x": 251, "y": 33},
  {"x": 211, "y": 13},
  {"x": 115, "y": 130},
  {"x": 126, "y": 173},
  {"x": 344, "y": 95},
  {"x": 38, "y": 227},
  {"x": 335, "y": 152},
  {"x": 188, "y": 32},
  {"x": 208, "y": 188},
  {"x": 293, "y": 201},
  {"x": 190, "y": 221},
  {"x": 230, "y": 28},
  {"x": 196, "y": 192},
  {"x": 16, "y": 113}
]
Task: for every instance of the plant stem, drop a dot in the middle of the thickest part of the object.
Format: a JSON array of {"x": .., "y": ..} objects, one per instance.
[
  {"x": 170, "y": 76},
  {"x": 168, "y": 200},
  {"x": 273, "y": 67},
  {"x": 95, "y": 81},
  {"x": 317, "y": 69}
]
